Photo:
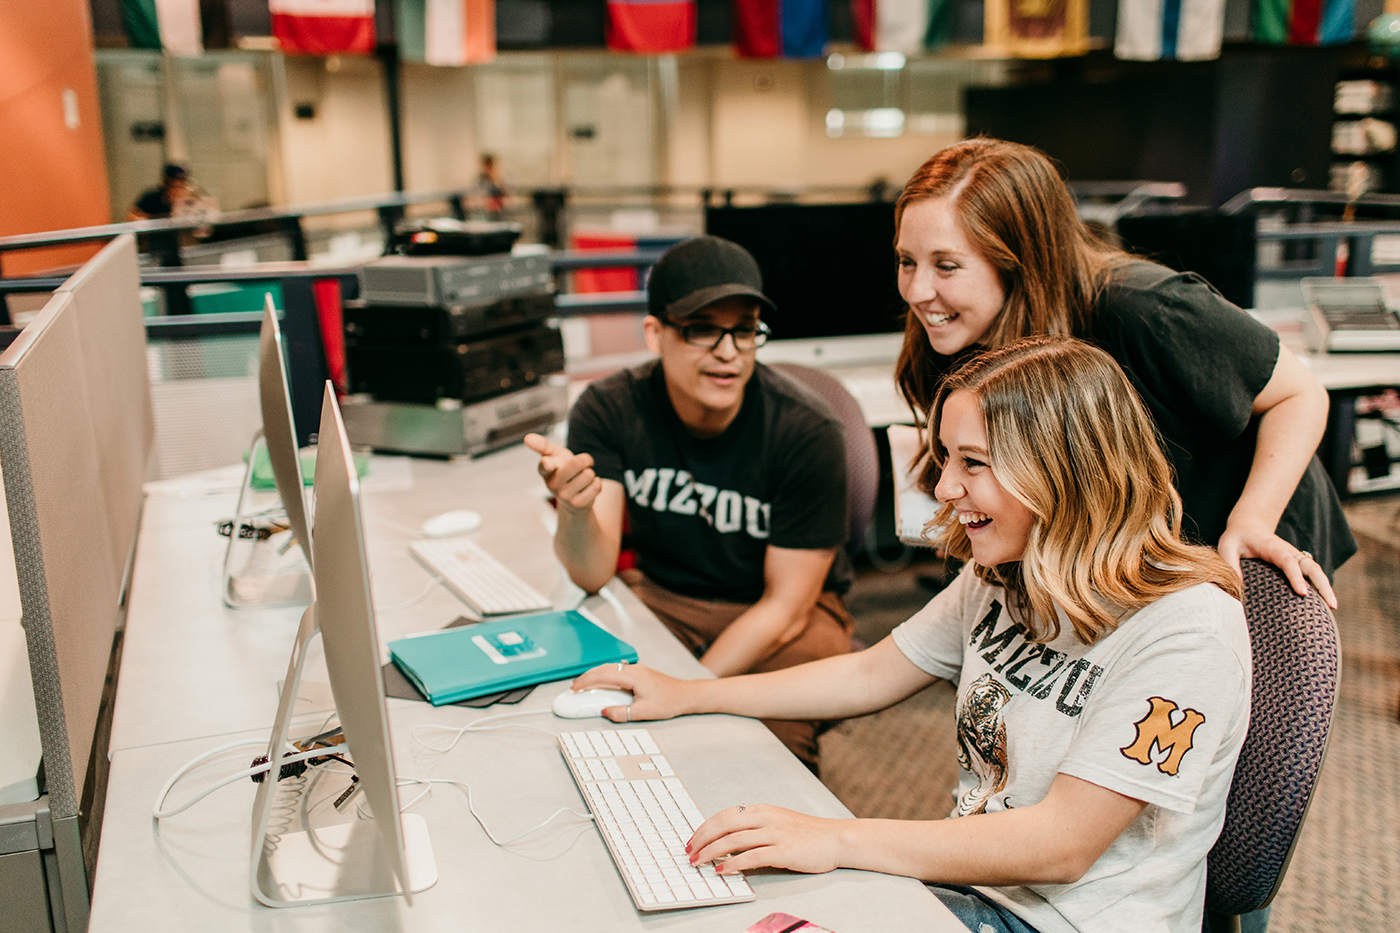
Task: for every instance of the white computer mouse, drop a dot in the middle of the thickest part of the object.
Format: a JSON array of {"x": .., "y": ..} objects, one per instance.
[
  {"x": 448, "y": 524},
  {"x": 585, "y": 703}
]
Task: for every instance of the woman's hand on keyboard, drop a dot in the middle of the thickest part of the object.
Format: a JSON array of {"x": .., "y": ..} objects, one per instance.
[
  {"x": 657, "y": 696},
  {"x": 762, "y": 836}
]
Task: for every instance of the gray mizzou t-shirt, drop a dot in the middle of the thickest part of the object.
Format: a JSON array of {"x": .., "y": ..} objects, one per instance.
[{"x": 1156, "y": 710}]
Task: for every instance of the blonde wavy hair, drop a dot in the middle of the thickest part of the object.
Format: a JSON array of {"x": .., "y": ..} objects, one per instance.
[{"x": 1069, "y": 438}]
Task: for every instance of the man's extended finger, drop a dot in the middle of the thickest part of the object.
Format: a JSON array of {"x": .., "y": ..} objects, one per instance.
[{"x": 544, "y": 446}]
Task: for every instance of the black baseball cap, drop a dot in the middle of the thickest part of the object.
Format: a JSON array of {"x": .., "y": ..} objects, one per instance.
[{"x": 696, "y": 273}]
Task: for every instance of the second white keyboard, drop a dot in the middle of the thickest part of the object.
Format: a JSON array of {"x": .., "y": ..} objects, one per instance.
[
  {"x": 480, "y": 580},
  {"x": 646, "y": 817}
]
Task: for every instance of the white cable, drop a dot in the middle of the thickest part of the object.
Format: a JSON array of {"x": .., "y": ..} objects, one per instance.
[
  {"x": 611, "y": 599},
  {"x": 160, "y": 814},
  {"x": 402, "y": 529},
  {"x": 427, "y": 789},
  {"x": 490, "y": 835},
  {"x": 479, "y": 726},
  {"x": 190, "y": 765},
  {"x": 411, "y": 602}
]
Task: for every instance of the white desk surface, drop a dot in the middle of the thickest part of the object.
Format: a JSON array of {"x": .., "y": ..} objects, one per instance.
[
  {"x": 196, "y": 675},
  {"x": 1342, "y": 371}
]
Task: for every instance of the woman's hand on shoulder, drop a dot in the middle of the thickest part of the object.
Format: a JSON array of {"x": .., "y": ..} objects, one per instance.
[
  {"x": 655, "y": 695},
  {"x": 762, "y": 836},
  {"x": 1243, "y": 539}
]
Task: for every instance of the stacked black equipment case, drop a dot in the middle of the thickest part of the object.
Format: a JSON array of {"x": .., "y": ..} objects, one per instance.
[{"x": 439, "y": 344}]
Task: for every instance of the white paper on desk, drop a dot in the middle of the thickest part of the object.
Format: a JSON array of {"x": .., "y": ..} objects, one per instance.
[{"x": 913, "y": 508}]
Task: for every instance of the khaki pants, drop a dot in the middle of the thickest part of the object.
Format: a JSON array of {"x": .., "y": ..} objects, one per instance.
[{"x": 698, "y": 622}]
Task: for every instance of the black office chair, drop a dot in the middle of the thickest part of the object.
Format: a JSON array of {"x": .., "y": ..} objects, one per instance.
[
  {"x": 1297, "y": 667},
  {"x": 862, "y": 459}
]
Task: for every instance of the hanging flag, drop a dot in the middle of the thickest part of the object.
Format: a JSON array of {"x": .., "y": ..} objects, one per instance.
[
  {"x": 1037, "y": 28},
  {"x": 1189, "y": 30},
  {"x": 942, "y": 16},
  {"x": 446, "y": 32},
  {"x": 779, "y": 28},
  {"x": 1304, "y": 22},
  {"x": 907, "y": 26},
  {"x": 323, "y": 27},
  {"x": 170, "y": 25},
  {"x": 650, "y": 25}
]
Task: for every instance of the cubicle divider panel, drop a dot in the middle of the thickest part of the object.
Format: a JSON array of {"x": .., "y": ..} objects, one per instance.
[
  {"x": 69, "y": 581},
  {"x": 107, "y": 294},
  {"x": 204, "y": 391}
]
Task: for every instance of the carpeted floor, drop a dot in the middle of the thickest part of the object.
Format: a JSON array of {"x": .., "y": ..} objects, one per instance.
[{"x": 1345, "y": 874}]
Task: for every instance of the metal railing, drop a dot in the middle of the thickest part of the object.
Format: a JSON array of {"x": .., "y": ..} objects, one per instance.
[{"x": 307, "y": 364}]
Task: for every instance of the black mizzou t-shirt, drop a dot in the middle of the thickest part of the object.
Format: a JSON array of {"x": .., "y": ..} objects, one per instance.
[{"x": 703, "y": 512}]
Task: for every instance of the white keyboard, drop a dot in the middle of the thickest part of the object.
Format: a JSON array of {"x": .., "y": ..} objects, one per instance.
[
  {"x": 646, "y": 817},
  {"x": 480, "y": 580}
]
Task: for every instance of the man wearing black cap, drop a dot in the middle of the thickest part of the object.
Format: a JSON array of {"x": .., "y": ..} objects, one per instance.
[{"x": 729, "y": 478}]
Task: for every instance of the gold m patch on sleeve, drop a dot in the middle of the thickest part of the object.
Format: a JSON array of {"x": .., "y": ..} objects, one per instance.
[{"x": 1157, "y": 729}]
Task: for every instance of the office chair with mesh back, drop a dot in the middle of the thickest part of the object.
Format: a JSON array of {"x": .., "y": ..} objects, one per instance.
[
  {"x": 1297, "y": 666},
  {"x": 862, "y": 459}
]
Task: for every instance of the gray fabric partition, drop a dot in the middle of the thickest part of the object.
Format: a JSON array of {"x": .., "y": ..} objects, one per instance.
[{"x": 75, "y": 440}]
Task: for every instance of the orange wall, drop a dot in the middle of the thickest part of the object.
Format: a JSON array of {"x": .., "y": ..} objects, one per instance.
[{"x": 51, "y": 177}]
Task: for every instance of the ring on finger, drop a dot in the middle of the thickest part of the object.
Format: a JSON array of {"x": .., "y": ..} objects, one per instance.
[
  {"x": 629, "y": 714},
  {"x": 1305, "y": 555}
]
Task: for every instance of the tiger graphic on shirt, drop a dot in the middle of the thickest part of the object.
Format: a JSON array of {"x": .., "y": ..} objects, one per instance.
[{"x": 982, "y": 741}]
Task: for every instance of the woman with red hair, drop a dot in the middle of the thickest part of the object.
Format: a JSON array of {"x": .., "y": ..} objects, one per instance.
[{"x": 991, "y": 249}]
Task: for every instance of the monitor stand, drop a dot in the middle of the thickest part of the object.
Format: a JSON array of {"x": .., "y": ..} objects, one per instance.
[
  {"x": 341, "y": 862},
  {"x": 267, "y": 587}
]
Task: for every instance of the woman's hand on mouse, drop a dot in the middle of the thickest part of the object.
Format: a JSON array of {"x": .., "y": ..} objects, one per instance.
[
  {"x": 763, "y": 836},
  {"x": 657, "y": 696}
]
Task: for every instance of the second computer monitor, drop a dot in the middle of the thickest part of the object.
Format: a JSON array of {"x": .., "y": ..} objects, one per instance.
[{"x": 279, "y": 427}]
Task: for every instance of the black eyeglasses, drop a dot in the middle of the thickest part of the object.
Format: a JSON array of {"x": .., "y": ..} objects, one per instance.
[{"x": 709, "y": 336}]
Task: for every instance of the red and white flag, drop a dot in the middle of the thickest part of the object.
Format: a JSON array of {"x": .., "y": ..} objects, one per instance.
[
  {"x": 323, "y": 27},
  {"x": 891, "y": 25},
  {"x": 459, "y": 32}
]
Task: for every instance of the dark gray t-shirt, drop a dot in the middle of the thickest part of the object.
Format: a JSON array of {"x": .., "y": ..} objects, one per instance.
[
  {"x": 1198, "y": 362},
  {"x": 701, "y": 513}
]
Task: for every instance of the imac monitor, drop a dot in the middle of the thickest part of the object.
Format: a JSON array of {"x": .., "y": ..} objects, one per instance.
[
  {"x": 279, "y": 427},
  {"x": 829, "y": 268},
  {"x": 390, "y": 853}
]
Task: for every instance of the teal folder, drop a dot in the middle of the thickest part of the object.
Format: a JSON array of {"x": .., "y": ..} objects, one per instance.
[{"x": 474, "y": 660}]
